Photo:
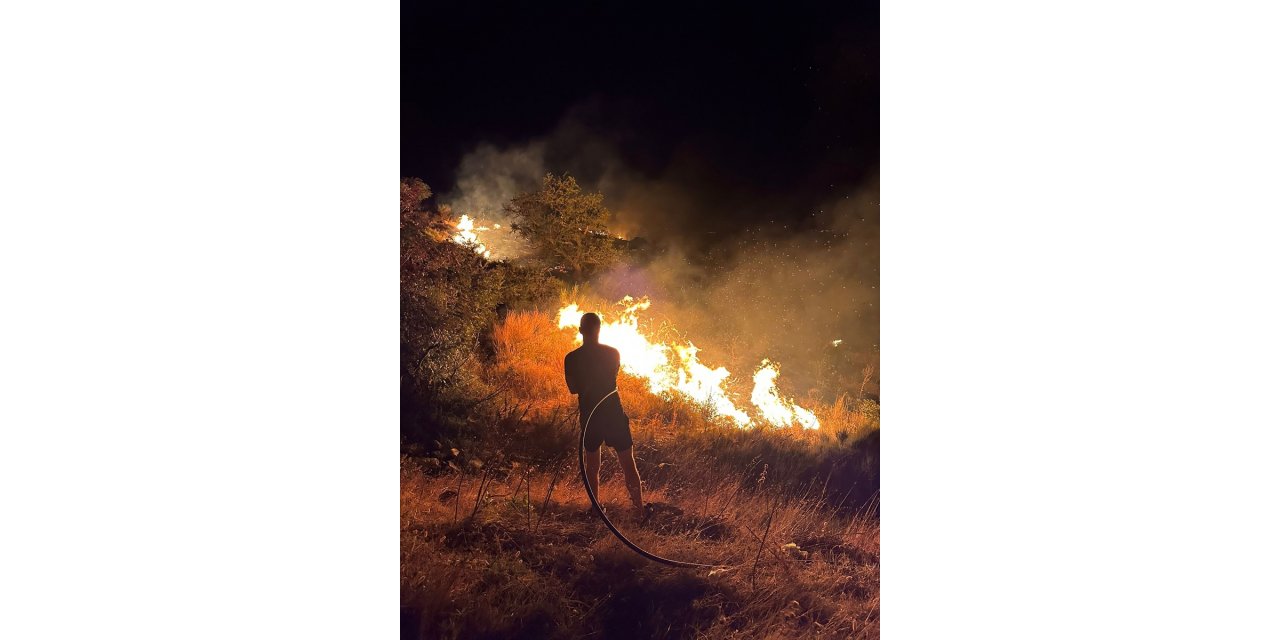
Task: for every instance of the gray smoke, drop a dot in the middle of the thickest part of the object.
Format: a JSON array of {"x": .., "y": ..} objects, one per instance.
[{"x": 782, "y": 291}]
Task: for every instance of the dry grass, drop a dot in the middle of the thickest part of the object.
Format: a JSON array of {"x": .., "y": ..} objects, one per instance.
[
  {"x": 530, "y": 355},
  {"x": 517, "y": 569},
  {"x": 498, "y": 541}
]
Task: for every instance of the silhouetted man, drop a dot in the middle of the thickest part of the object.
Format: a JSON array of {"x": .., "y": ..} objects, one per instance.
[{"x": 592, "y": 372}]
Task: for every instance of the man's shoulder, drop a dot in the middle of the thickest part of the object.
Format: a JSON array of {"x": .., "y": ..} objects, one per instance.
[
  {"x": 591, "y": 350},
  {"x": 609, "y": 354}
]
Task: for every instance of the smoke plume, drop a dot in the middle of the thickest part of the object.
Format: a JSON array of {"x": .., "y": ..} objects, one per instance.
[{"x": 745, "y": 271}]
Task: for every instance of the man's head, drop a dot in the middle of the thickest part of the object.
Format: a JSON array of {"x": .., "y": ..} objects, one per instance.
[{"x": 590, "y": 326}]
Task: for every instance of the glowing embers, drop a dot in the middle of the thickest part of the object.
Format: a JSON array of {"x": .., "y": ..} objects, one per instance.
[{"x": 675, "y": 368}]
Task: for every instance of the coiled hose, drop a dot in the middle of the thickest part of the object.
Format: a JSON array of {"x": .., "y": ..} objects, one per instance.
[{"x": 582, "y": 469}]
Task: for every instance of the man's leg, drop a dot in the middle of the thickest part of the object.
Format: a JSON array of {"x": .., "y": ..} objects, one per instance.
[
  {"x": 627, "y": 462},
  {"x": 592, "y": 460}
]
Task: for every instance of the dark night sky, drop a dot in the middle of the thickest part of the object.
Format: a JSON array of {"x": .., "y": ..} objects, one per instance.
[{"x": 767, "y": 111}]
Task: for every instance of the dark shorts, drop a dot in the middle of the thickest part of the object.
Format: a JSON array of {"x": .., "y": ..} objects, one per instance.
[{"x": 608, "y": 426}]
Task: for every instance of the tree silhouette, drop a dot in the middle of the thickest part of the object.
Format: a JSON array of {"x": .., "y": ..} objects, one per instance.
[{"x": 566, "y": 228}]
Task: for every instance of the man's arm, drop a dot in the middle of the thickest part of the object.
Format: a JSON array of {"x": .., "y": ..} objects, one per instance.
[{"x": 569, "y": 377}]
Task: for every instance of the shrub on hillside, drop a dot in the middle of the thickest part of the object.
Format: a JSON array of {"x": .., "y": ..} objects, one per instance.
[{"x": 449, "y": 296}]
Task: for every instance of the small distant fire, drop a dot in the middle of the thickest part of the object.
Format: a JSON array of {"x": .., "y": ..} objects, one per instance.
[
  {"x": 466, "y": 235},
  {"x": 499, "y": 242},
  {"x": 674, "y": 368}
]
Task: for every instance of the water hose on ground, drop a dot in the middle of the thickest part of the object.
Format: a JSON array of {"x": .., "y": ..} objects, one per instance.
[{"x": 582, "y": 469}]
